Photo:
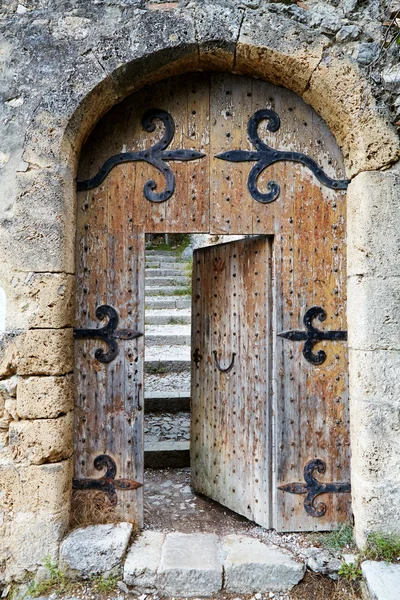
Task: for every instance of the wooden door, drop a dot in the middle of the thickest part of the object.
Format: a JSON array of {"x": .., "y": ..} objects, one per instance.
[
  {"x": 230, "y": 129},
  {"x": 230, "y": 448}
]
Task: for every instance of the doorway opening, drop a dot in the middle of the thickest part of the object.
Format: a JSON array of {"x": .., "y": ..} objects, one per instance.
[{"x": 172, "y": 496}]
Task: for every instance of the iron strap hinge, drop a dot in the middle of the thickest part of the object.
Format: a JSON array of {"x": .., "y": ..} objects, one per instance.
[
  {"x": 108, "y": 483},
  {"x": 108, "y": 334},
  {"x": 157, "y": 156},
  {"x": 313, "y": 488},
  {"x": 264, "y": 156},
  {"x": 312, "y": 336}
]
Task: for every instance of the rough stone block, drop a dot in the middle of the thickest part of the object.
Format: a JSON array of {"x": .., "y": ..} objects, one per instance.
[
  {"x": 191, "y": 565},
  {"x": 376, "y": 507},
  {"x": 41, "y": 235},
  {"x": 251, "y": 566},
  {"x": 382, "y": 579},
  {"x": 32, "y": 537},
  {"x": 143, "y": 561},
  {"x": 277, "y": 49},
  {"x": 43, "y": 440},
  {"x": 43, "y": 489},
  {"x": 36, "y": 300},
  {"x": 173, "y": 49},
  {"x": 47, "y": 352},
  {"x": 217, "y": 30},
  {"x": 45, "y": 397},
  {"x": 94, "y": 550},
  {"x": 339, "y": 93},
  {"x": 373, "y": 310},
  {"x": 373, "y": 376},
  {"x": 375, "y": 439},
  {"x": 373, "y": 207}
]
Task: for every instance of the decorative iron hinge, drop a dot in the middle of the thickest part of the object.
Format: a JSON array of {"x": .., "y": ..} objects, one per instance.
[
  {"x": 314, "y": 488},
  {"x": 108, "y": 483},
  {"x": 266, "y": 156},
  {"x": 108, "y": 334},
  {"x": 312, "y": 336},
  {"x": 156, "y": 156}
]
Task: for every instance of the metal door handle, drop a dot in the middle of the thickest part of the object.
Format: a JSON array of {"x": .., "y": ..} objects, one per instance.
[{"x": 217, "y": 364}]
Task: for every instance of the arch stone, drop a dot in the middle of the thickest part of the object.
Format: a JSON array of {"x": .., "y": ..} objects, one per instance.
[{"x": 39, "y": 237}]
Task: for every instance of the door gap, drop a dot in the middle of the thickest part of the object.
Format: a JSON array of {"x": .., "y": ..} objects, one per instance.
[{"x": 169, "y": 501}]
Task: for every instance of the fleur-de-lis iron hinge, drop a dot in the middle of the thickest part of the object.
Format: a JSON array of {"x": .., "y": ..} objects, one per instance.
[
  {"x": 312, "y": 336},
  {"x": 156, "y": 155},
  {"x": 108, "y": 483},
  {"x": 264, "y": 156},
  {"x": 108, "y": 334},
  {"x": 313, "y": 488}
]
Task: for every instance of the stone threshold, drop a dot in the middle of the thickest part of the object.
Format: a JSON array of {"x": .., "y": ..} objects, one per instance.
[{"x": 180, "y": 564}]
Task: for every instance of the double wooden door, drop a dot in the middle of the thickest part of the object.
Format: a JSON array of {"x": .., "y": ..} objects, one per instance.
[{"x": 220, "y": 154}]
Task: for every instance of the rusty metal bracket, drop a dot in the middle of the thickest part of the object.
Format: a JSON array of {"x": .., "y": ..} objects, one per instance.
[
  {"x": 265, "y": 156},
  {"x": 108, "y": 334},
  {"x": 217, "y": 363},
  {"x": 312, "y": 336},
  {"x": 197, "y": 357},
  {"x": 156, "y": 156},
  {"x": 313, "y": 488},
  {"x": 108, "y": 483}
]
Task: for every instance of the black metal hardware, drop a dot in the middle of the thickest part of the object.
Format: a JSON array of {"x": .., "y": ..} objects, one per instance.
[
  {"x": 108, "y": 334},
  {"x": 312, "y": 336},
  {"x": 156, "y": 155},
  {"x": 108, "y": 483},
  {"x": 266, "y": 156},
  {"x": 314, "y": 488},
  {"x": 217, "y": 363},
  {"x": 197, "y": 357}
]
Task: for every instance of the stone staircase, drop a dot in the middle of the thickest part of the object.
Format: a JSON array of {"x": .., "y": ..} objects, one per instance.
[{"x": 167, "y": 360}]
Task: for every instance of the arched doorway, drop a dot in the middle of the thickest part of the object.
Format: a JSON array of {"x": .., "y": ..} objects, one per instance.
[{"x": 297, "y": 205}]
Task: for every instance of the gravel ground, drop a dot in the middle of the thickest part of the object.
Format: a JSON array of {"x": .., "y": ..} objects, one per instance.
[
  {"x": 159, "y": 427},
  {"x": 164, "y": 382}
]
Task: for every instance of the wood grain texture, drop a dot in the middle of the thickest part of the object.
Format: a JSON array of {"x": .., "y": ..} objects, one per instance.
[
  {"x": 230, "y": 411},
  {"x": 307, "y": 225}
]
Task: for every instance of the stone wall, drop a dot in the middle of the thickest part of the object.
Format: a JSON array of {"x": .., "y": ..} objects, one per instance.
[{"x": 63, "y": 65}]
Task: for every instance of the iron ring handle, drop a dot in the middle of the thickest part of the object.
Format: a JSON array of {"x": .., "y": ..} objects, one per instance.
[{"x": 217, "y": 364}]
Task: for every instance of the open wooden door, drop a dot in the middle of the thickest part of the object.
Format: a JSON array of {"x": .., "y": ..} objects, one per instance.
[{"x": 231, "y": 387}]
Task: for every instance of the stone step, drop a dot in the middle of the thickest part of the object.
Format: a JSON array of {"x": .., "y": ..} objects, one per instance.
[
  {"x": 157, "y": 264},
  {"x": 166, "y": 427},
  {"x": 162, "y": 359},
  {"x": 151, "y": 273},
  {"x": 169, "y": 402},
  {"x": 173, "y": 259},
  {"x": 162, "y": 253},
  {"x": 382, "y": 580},
  {"x": 174, "y": 280},
  {"x": 166, "y": 290},
  {"x": 168, "y": 302},
  {"x": 187, "y": 565},
  {"x": 165, "y": 455},
  {"x": 168, "y": 317},
  {"x": 170, "y": 382},
  {"x": 167, "y": 335}
]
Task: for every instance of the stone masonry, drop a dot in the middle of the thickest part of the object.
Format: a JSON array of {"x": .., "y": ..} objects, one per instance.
[{"x": 63, "y": 65}]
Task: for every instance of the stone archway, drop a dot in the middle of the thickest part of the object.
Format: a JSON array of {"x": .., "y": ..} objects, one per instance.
[{"x": 40, "y": 238}]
